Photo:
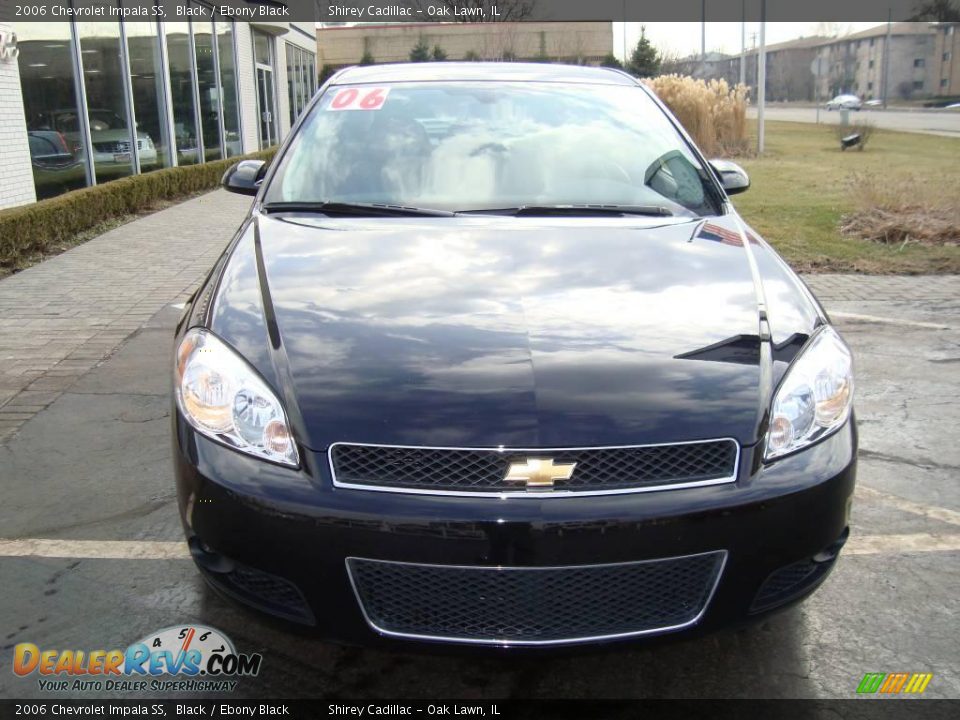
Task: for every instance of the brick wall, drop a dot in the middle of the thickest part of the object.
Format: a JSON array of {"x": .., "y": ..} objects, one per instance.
[
  {"x": 16, "y": 177},
  {"x": 590, "y": 41}
]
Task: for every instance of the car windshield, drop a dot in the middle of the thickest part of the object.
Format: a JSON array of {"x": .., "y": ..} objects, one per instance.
[{"x": 474, "y": 146}]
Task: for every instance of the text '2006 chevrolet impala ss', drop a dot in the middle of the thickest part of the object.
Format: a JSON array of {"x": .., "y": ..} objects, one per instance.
[{"x": 493, "y": 360}]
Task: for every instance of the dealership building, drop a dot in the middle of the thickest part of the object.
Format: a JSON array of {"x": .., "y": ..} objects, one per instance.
[{"x": 85, "y": 102}]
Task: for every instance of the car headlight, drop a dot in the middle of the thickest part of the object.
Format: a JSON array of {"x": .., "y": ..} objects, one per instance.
[
  {"x": 225, "y": 399},
  {"x": 815, "y": 396}
]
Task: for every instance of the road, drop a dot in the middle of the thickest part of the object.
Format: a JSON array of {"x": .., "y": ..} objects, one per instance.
[{"x": 930, "y": 122}]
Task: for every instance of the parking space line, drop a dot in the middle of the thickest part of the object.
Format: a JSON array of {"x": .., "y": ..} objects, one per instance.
[
  {"x": 901, "y": 544},
  {"x": 159, "y": 550},
  {"x": 932, "y": 512},
  {"x": 95, "y": 549},
  {"x": 887, "y": 320}
]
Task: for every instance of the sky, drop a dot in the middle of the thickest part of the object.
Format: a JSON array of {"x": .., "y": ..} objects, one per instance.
[{"x": 683, "y": 38}]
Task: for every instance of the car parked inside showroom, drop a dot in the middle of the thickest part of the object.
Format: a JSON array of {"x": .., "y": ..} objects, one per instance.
[
  {"x": 109, "y": 135},
  {"x": 55, "y": 167},
  {"x": 494, "y": 361}
]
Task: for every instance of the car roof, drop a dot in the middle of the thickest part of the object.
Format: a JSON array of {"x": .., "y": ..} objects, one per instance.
[{"x": 491, "y": 71}]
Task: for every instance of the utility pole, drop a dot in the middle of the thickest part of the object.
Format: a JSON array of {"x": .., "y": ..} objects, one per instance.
[
  {"x": 743, "y": 43},
  {"x": 762, "y": 77},
  {"x": 624, "y": 32},
  {"x": 886, "y": 58},
  {"x": 703, "y": 37}
]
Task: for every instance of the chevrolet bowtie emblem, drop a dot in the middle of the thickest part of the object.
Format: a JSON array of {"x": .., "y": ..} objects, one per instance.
[{"x": 539, "y": 473}]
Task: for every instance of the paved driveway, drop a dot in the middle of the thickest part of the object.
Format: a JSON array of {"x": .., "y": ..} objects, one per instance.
[
  {"x": 91, "y": 553},
  {"x": 929, "y": 122}
]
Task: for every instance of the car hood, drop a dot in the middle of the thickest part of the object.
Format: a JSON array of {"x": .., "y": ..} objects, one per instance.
[{"x": 508, "y": 331}]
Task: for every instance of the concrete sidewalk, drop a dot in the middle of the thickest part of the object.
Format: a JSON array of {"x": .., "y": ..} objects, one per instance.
[{"x": 61, "y": 318}]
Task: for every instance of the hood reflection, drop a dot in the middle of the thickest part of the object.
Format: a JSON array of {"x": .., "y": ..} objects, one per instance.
[{"x": 501, "y": 331}]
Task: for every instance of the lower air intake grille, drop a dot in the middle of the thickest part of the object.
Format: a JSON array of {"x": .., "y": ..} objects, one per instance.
[
  {"x": 498, "y": 605},
  {"x": 268, "y": 592},
  {"x": 789, "y": 582}
]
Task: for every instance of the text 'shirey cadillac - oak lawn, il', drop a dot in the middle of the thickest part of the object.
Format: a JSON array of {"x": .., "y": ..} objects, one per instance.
[{"x": 492, "y": 360}]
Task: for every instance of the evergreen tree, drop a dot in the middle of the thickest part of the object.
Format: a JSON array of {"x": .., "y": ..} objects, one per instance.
[
  {"x": 611, "y": 61},
  {"x": 439, "y": 54},
  {"x": 472, "y": 56},
  {"x": 367, "y": 58},
  {"x": 420, "y": 52},
  {"x": 645, "y": 59}
]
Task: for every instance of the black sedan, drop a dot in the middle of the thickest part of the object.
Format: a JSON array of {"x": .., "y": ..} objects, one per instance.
[{"x": 494, "y": 361}]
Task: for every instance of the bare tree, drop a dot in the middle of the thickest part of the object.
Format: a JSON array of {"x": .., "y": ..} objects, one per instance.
[
  {"x": 671, "y": 63},
  {"x": 828, "y": 29},
  {"x": 938, "y": 10},
  {"x": 479, "y": 10}
]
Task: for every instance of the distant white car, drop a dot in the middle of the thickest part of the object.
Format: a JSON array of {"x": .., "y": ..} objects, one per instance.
[
  {"x": 875, "y": 102},
  {"x": 845, "y": 102}
]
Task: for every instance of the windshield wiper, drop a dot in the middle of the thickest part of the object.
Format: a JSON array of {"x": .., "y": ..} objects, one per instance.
[
  {"x": 581, "y": 210},
  {"x": 354, "y": 209}
]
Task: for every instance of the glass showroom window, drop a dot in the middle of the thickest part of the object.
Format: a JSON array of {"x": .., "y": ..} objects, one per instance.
[
  {"x": 301, "y": 80},
  {"x": 103, "y": 77},
  {"x": 51, "y": 107},
  {"x": 228, "y": 84},
  {"x": 149, "y": 108},
  {"x": 207, "y": 88},
  {"x": 182, "y": 97}
]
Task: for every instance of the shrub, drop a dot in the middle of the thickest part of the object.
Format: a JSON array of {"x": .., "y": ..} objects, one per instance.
[
  {"x": 420, "y": 52},
  {"x": 913, "y": 209},
  {"x": 714, "y": 113},
  {"x": 41, "y": 227}
]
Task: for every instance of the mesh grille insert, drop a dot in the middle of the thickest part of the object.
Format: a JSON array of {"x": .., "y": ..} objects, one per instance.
[
  {"x": 788, "y": 582},
  {"x": 485, "y": 470},
  {"x": 534, "y": 605}
]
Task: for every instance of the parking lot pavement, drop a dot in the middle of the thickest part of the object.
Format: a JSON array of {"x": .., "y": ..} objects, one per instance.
[{"x": 91, "y": 554}]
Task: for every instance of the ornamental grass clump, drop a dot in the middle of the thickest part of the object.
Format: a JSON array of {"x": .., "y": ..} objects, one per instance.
[
  {"x": 713, "y": 112},
  {"x": 909, "y": 210}
]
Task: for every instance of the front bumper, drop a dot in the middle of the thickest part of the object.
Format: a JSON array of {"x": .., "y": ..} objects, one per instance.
[{"x": 279, "y": 539}]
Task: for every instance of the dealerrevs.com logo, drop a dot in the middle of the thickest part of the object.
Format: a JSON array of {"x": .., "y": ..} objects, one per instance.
[{"x": 202, "y": 658}]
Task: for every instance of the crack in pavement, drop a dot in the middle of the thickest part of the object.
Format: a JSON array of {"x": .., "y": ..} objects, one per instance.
[{"x": 900, "y": 460}]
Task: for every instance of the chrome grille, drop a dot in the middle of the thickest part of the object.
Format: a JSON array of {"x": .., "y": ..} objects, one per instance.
[
  {"x": 483, "y": 470},
  {"x": 531, "y": 606},
  {"x": 112, "y": 146}
]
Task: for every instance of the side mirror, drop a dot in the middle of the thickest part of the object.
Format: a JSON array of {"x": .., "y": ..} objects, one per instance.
[
  {"x": 733, "y": 177},
  {"x": 244, "y": 177}
]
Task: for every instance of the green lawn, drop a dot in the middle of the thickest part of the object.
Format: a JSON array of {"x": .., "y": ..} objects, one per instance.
[{"x": 799, "y": 192}]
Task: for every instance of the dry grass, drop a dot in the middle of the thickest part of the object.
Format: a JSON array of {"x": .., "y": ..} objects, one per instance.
[
  {"x": 914, "y": 209},
  {"x": 801, "y": 191},
  {"x": 714, "y": 113}
]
